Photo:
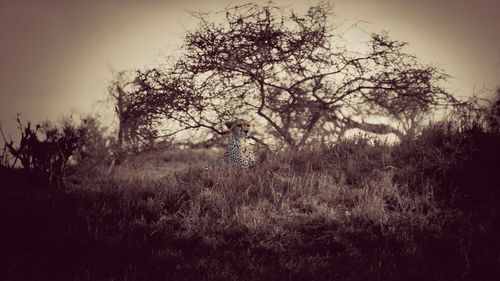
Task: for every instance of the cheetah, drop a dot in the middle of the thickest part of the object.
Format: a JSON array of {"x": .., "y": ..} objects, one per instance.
[{"x": 239, "y": 152}]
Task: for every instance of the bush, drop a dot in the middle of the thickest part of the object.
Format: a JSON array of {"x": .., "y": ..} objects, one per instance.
[{"x": 461, "y": 165}]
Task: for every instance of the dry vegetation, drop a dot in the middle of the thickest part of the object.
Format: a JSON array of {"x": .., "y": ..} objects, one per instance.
[{"x": 425, "y": 209}]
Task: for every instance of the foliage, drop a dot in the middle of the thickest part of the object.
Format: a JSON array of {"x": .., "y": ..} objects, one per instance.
[
  {"x": 458, "y": 156},
  {"x": 46, "y": 148},
  {"x": 53, "y": 151}
]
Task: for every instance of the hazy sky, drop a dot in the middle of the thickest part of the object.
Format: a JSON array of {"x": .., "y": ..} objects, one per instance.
[{"x": 55, "y": 56}]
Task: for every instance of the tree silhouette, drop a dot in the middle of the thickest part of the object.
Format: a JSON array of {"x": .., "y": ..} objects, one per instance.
[
  {"x": 45, "y": 149},
  {"x": 144, "y": 100},
  {"x": 293, "y": 74}
]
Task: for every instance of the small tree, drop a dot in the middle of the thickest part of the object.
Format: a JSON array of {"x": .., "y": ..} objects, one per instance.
[
  {"x": 134, "y": 120},
  {"x": 144, "y": 100}
]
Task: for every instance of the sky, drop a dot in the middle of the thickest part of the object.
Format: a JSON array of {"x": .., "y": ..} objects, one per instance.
[{"x": 57, "y": 56}]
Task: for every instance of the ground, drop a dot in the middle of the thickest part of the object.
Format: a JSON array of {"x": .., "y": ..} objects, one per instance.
[{"x": 333, "y": 213}]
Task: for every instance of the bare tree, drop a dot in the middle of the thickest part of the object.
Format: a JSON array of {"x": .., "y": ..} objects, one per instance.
[
  {"x": 144, "y": 99},
  {"x": 293, "y": 71},
  {"x": 134, "y": 121},
  {"x": 293, "y": 74}
]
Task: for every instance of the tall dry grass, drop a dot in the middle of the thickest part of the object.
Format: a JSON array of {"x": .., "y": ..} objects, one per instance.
[{"x": 423, "y": 209}]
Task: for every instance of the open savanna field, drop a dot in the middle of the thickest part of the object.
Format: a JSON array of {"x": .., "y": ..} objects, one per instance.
[
  {"x": 319, "y": 140},
  {"x": 425, "y": 209}
]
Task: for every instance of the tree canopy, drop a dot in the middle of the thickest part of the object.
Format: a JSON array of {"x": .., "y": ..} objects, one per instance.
[{"x": 295, "y": 75}]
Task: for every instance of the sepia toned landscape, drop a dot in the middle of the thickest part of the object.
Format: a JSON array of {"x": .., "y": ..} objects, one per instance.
[{"x": 272, "y": 141}]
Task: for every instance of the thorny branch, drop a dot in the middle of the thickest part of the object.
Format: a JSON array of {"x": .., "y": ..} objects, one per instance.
[{"x": 291, "y": 73}]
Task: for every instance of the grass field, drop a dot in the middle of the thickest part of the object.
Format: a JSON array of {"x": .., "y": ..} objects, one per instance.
[{"x": 425, "y": 209}]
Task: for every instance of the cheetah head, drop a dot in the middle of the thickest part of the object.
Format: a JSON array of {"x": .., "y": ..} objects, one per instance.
[{"x": 239, "y": 128}]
